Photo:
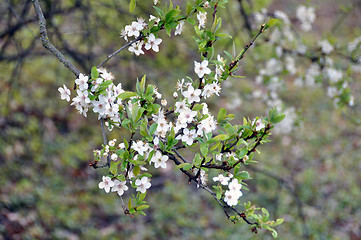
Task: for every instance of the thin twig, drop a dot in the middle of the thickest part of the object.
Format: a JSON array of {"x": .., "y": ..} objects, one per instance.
[{"x": 120, "y": 49}]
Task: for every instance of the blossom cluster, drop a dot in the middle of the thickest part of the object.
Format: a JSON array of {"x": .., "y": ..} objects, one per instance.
[{"x": 106, "y": 104}]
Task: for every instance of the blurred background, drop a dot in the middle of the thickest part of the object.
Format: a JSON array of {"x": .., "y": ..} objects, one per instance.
[{"x": 309, "y": 174}]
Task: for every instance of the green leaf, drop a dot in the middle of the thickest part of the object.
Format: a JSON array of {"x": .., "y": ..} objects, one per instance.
[
  {"x": 142, "y": 84},
  {"x": 221, "y": 137},
  {"x": 204, "y": 149},
  {"x": 153, "y": 128},
  {"x": 265, "y": 215},
  {"x": 94, "y": 73},
  {"x": 142, "y": 196},
  {"x": 272, "y": 23},
  {"x": 168, "y": 29},
  {"x": 121, "y": 178},
  {"x": 278, "y": 222},
  {"x": 135, "y": 110},
  {"x": 197, "y": 107},
  {"x": 229, "y": 55},
  {"x": 126, "y": 95},
  {"x": 191, "y": 21},
  {"x": 171, "y": 14},
  {"x": 159, "y": 11},
  {"x": 132, "y": 5},
  {"x": 136, "y": 170},
  {"x": 274, "y": 233},
  {"x": 242, "y": 175},
  {"x": 277, "y": 118},
  {"x": 242, "y": 152},
  {"x": 221, "y": 115},
  {"x": 114, "y": 167},
  {"x": 185, "y": 166},
  {"x": 142, "y": 207}
]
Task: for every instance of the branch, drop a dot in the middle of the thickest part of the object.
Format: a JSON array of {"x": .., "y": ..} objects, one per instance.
[
  {"x": 45, "y": 40},
  {"x": 120, "y": 49},
  {"x": 234, "y": 63}
]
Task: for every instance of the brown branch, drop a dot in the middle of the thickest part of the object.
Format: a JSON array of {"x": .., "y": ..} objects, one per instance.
[
  {"x": 47, "y": 44},
  {"x": 246, "y": 47}
]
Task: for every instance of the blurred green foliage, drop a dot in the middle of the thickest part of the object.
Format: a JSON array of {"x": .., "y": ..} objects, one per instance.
[{"x": 309, "y": 177}]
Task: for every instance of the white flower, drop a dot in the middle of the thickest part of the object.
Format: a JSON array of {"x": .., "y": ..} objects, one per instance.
[
  {"x": 187, "y": 116},
  {"x": 219, "y": 67},
  {"x": 120, "y": 187},
  {"x": 64, "y": 93},
  {"x": 107, "y": 183},
  {"x": 105, "y": 74},
  {"x": 219, "y": 157},
  {"x": 143, "y": 184},
  {"x": 192, "y": 94},
  {"x": 210, "y": 89},
  {"x": 189, "y": 136},
  {"x": 207, "y": 125},
  {"x": 156, "y": 20},
  {"x": 259, "y": 124},
  {"x": 222, "y": 179},
  {"x": 234, "y": 185},
  {"x": 206, "y": 4},
  {"x": 140, "y": 147},
  {"x": 123, "y": 34},
  {"x": 180, "y": 84},
  {"x": 164, "y": 102},
  {"x": 333, "y": 75},
  {"x": 354, "y": 44},
  {"x": 141, "y": 21},
  {"x": 152, "y": 43},
  {"x": 202, "y": 18},
  {"x": 82, "y": 82},
  {"x": 307, "y": 16},
  {"x": 326, "y": 46},
  {"x": 180, "y": 106},
  {"x": 159, "y": 160},
  {"x": 136, "y": 48},
  {"x": 134, "y": 29},
  {"x": 201, "y": 68},
  {"x": 155, "y": 2},
  {"x": 179, "y": 28},
  {"x": 231, "y": 197},
  {"x": 114, "y": 157},
  {"x": 112, "y": 142}
]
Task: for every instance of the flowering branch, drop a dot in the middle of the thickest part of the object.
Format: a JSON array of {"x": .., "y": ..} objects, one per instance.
[{"x": 193, "y": 124}]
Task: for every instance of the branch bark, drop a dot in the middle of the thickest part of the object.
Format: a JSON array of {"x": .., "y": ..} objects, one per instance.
[{"x": 47, "y": 44}]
